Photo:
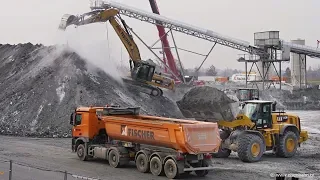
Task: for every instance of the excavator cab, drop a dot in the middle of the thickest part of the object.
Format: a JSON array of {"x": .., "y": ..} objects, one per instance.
[{"x": 143, "y": 71}]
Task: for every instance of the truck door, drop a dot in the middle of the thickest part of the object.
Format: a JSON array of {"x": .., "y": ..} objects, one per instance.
[
  {"x": 265, "y": 119},
  {"x": 78, "y": 126}
]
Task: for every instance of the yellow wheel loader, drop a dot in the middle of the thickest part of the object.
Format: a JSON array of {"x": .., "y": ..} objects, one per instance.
[{"x": 259, "y": 128}]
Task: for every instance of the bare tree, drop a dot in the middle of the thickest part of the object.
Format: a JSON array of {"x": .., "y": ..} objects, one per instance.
[
  {"x": 288, "y": 74},
  {"x": 211, "y": 71}
]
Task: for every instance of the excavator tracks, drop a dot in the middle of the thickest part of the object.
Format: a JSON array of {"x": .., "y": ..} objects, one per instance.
[{"x": 144, "y": 88}]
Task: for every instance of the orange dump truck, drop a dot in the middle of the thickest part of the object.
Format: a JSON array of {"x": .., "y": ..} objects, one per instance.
[{"x": 156, "y": 144}]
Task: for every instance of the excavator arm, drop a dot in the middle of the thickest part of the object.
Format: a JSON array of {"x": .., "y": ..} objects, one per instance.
[
  {"x": 141, "y": 71},
  {"x": 104, "y": 16}
]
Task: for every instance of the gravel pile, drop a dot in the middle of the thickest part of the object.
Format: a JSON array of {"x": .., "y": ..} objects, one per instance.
[{"x": 40, "y": 86}]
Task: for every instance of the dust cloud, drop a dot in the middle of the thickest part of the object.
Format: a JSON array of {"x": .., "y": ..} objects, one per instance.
[{"x": 91, "y": 43}]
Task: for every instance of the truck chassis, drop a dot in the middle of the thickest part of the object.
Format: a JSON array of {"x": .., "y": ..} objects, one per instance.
[{"x": 157, "y": 160}]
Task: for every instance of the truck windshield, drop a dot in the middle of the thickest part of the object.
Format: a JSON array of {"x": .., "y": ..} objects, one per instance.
[{"x": 250, "y": 110}]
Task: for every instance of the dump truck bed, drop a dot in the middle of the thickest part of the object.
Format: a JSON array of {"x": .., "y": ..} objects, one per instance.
[{"x": 186, "y": 136}]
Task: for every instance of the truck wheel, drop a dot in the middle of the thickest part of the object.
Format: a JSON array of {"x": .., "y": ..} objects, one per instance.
[
  {"x": 82, "y": 153},
  {"x": 287, "y": 145},
  {"x": 202, "y": 173},
  {"x": 250, "y": 148},
  {"x": 114, "y": 158},
  {"x": 156, "y": 166},
  {"x": 171, "y": 169},
  {"x": 142, "y": 163}
]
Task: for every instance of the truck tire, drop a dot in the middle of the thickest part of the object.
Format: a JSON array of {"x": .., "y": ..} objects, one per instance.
[
  {"x": 287, "y": 146},
  {"x": 202, "y": 173},
  {"x": 171, "y": 169},
  {"x": 250, "y": 148},
  {"x": 82, "y": 153},
  {"x": 156, "y": 167},
  {"x": 142, "y": 163},
  {"x": 114, "y": 158}
]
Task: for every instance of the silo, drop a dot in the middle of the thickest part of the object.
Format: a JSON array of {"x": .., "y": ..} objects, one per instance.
[{"x": 298, "y": 66}]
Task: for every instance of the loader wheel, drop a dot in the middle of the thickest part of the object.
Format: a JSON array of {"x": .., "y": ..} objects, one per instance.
[
  {"x": 82, "y": 153},
  {"x": 114, "y": 158},
  {"x": 142, "y": 163},
  {"x": 287, "y": 145},
  {"x": 250, "y": 148},
  {"x": 171, "y": 169},
  {"x": 222, "y": 152},
  {"x": 156, "y": 166}
]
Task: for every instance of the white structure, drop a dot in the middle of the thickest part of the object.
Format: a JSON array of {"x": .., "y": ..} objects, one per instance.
[
  {"x": 207, "y": 78},
  {"x": 263, "y": 39},
  {"x": 241, "y": 78},
  {"x": 298, "y": 67}
]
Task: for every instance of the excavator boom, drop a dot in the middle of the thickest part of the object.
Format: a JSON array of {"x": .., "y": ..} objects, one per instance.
[{"x": 142, "y": 72}]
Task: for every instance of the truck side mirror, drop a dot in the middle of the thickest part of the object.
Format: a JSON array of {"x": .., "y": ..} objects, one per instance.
[{"x": 72, "y": 118}]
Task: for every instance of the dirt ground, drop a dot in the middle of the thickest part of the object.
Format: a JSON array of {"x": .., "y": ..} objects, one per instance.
[{"x": 55, "y": 154}]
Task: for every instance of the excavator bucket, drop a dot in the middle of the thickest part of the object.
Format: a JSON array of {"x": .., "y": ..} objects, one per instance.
[
  {"x": 66, "y": 20},
  {"x": 87, "y": 18}
]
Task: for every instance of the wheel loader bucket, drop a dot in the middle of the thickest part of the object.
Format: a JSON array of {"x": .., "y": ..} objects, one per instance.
[{"x": 66, "y": 20}]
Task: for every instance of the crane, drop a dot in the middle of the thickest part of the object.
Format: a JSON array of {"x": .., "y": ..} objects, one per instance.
[
  {"x": 142, "y": 72},
  {"x": 164, "y": 41}
]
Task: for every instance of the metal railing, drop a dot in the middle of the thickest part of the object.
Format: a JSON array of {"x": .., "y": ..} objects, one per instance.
[{"x": 11, "y": 170}]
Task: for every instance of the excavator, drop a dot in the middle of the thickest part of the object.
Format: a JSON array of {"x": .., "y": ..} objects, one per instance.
[{"x": 142, "y": 72}]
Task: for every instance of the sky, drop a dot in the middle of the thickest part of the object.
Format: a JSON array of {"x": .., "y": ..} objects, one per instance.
[{"x": 36, "y": 21}]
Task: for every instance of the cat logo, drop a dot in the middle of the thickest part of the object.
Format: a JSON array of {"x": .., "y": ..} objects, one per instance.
[{"x": 282, "y": 118}]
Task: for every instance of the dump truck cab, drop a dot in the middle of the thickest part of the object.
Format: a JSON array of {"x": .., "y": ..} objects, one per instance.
[{"x": 259, "y": 128}]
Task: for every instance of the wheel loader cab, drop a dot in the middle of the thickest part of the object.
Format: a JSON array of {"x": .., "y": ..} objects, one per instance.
[
  {"x": 143, "y": 71},
  {"x": 260, "y": 112}
]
